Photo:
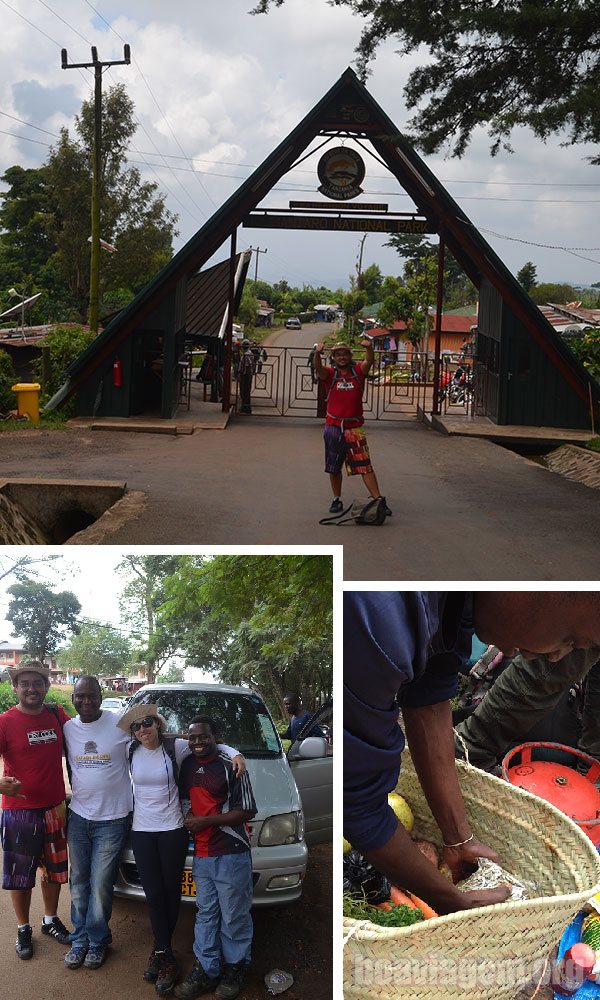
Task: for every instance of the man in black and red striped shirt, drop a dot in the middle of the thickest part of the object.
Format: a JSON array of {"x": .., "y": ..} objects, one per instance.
[{"x": 220, "y": 805}]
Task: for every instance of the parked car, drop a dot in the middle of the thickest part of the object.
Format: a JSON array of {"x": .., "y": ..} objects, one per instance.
[
  {"x": 311, "y": 761},
  {"x": 293, "y": 323},
  {"x": 277, "y": 834},
  {"x": 112, "y": 704}
]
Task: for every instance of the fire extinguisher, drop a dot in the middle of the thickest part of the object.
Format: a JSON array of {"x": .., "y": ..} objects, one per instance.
[{"x": 117, "y": 373}]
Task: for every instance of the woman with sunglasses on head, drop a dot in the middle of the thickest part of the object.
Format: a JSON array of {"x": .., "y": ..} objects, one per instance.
[{"x": 159, "y": 839}]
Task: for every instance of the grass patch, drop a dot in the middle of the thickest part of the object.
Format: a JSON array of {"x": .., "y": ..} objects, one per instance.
[
  {"x": 55, "y": 420},
  {"x": 594, "y": 444}
]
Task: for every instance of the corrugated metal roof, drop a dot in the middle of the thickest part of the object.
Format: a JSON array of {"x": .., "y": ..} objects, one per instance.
[{"x": 208, "y": 294}]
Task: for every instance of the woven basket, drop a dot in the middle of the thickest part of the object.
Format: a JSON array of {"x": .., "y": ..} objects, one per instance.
[{"x": 487, "y": 952}]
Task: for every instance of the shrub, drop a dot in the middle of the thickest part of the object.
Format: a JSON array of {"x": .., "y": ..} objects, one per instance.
[
  {"x": 64, "y": 344},
  {"x": 8, "y": 400},
  {"x": 8, "y": 698}
]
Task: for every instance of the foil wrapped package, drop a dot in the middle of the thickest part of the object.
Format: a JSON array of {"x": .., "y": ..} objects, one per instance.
[{"x": 489, "y": 875}]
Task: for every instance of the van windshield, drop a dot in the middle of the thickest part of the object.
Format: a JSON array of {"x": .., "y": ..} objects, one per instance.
[{"x": 242, "y": 720}]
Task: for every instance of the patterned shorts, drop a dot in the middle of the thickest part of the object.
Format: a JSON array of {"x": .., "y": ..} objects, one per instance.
[
  {"x": 347, "y": 447},
  {"x": 32, "y": 838}
]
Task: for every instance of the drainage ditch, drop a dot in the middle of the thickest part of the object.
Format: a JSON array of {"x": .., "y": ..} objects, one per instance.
[{"x": 64, "y": 512}]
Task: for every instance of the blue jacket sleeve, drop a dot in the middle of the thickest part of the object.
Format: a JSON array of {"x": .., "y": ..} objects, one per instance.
[
  {"x": 379, "y": 647},
  {"x": 394, "y": 654}
]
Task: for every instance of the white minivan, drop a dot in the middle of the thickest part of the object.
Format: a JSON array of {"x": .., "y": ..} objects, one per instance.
[{"x": 279, "y": 852}]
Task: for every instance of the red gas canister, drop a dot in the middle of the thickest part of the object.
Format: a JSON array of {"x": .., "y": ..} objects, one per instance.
[
  {"x": 531, "y": 766},
  {"x": 117, "y": 373}
]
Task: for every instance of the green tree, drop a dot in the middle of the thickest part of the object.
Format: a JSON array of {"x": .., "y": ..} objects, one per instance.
[
  {"x": 45, "y": 216},
  {"x": 527, "y": 276},
  {"x": 586, "y": 347},
  {"x": 7, "y": 380},
  {"x": 96, "y": 649},
  {"x": 256, "y": 619},
  {"x": 171, "y": 674},
  {"x": 497, "y": 64},
  {"x": 352, "y": 303},
  {"x": 548, "y": 292},
  {"x": 370, "y": 281},
  {"x": 458, "y": 290},
  {"x": 397, "y": 305},
  {"x": 42, "y": 617},
  {"x": 248, "y": 310},
  {"x": 144, "y": 596},
  {"x": 64, "y": 343}
]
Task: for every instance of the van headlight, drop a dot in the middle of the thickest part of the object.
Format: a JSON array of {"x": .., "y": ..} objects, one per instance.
[{"x": 285, "y": 829}]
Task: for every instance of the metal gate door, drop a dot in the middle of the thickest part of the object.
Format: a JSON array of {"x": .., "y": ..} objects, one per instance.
[{"x": 285, "y": 385}]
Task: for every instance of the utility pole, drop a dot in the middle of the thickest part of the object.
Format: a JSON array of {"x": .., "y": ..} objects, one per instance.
[
  {"x": 256, "y": 250},
  {"x": 359, "y": 262},
  {"x": 97, "y": 66}
]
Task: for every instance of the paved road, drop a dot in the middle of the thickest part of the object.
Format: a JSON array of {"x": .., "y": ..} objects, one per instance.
[
  {"x": 463, "y": 509},
  {"x": 310, "y": 334},
  {"x": 296, "y": 938}
]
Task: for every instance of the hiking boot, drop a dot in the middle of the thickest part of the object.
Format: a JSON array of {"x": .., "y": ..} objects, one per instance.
[
  {"x": 24, "y": 943},
  {"x": 75, "y": 958},
  {"x": 196, "y": 983},
  {"x": 152, "y": 968},
  {"x": 167, "y": 973},
  {"x": 231, "y": 980},
  {"x": 57, "y": 930},
  {"x": 336, "y": 506},
  {"x": 95, "y": 956},
  {"x": 387, "y": 510}
]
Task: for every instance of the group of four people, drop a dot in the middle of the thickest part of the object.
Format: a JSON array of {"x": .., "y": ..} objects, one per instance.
[{"x": 127, "y": 774}]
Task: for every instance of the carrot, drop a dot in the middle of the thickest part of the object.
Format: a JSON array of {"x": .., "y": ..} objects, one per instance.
[
  {"x": 400, "y": 899},
  {"x": 383, "y": 906},
  {"x": 424, "y": 907}
]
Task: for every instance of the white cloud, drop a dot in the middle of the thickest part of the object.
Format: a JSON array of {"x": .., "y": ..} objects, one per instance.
[{"x": 231, "y": 86}]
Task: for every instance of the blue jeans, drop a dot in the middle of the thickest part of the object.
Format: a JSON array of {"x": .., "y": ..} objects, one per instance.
[
  {"x": 94, "y": 850},
  {"x": 223, "y": 921}
]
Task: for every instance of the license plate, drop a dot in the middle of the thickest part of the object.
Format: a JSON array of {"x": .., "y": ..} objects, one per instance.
[{"x": 188, "y": 886}]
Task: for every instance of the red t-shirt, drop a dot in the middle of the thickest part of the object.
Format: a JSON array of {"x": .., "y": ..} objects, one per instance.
[
  {"x": 212, "y": 788},
  {"x": 344, "y": 397},
  {"x": 32, "y": 749}
]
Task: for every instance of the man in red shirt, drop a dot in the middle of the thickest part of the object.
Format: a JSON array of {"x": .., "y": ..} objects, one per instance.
[
  {"x": 345, "y": 440},
  {"x": 220, "y": 806},
  {"x": 33, "y": 827}
]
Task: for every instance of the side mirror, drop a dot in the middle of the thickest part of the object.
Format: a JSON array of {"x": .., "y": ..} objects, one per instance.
[{"x": 312, "y": 747}]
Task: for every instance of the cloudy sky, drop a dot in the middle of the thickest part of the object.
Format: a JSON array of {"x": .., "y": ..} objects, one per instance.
[{"x": 215, "y": 90}]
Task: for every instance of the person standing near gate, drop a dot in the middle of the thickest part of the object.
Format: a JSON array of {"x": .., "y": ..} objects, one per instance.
[
  {"x": 245, "y": 373},
  {"x": 345, "y": 440}
]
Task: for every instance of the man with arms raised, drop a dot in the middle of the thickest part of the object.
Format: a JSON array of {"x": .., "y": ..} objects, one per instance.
[
  {"x": 33, "y": 802},
  {"x": 345, "y": 440}
]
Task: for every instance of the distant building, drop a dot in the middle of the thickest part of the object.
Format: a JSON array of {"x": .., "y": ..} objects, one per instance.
[
  {"x": 326, "y": 312},
  {"x": 264, "y": 316}
]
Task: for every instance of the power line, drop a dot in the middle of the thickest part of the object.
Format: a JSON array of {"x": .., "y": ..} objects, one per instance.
[{"x": 138, "y": 67}]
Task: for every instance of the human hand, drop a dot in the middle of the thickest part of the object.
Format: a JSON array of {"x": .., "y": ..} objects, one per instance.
[
  {"x": 238, "y": 764},
  {"x": 11, "y": 786},
  {"x": 462, "y": 861},
  {"x": 485, "y": 897},
  {"x": 195, "y": 823},
  {"x": 366, "y": 342}
]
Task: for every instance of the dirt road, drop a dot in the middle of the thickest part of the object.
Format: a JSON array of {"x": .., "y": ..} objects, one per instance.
[{"x": 297, "y": 938}]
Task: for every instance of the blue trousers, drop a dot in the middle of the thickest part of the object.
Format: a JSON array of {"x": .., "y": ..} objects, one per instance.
[
  {"x": 223, "y": 921},
  {"x": 94, "y": 850}
]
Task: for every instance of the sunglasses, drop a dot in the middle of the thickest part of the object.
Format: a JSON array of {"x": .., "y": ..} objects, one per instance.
[{"x": 145, "y": 723}]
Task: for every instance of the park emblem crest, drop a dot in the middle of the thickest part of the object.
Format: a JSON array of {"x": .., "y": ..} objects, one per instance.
[{"x": 341, "y": 172}]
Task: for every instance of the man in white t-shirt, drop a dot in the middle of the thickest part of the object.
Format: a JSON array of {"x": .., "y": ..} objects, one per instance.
[{"x": 99, "y": 820}]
